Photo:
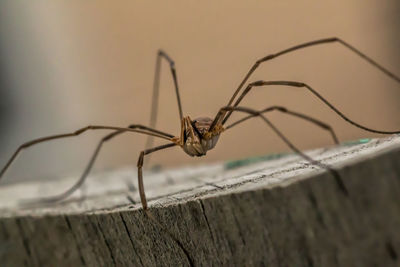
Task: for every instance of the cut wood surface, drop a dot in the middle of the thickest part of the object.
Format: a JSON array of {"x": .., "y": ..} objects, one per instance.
[{"x": 276, "y": 210}]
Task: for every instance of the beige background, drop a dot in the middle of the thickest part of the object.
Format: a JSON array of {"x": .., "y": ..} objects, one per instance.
[{"x": 74, "y": 63}]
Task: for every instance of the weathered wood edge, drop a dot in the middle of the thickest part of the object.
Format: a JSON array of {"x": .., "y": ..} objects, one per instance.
[
  {"x": 306, "y": 223},
  {"x": 108, "y": 191}
]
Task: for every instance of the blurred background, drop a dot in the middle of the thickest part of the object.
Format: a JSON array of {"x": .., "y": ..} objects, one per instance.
[{"x": 68, "y": 64}]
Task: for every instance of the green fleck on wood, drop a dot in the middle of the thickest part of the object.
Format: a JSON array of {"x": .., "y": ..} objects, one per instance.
[
  {"x": 247, "y": 161},
  {"x": 357, "y": 142}
]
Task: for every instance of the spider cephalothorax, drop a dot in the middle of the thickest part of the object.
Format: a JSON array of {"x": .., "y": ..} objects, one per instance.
[{"x": 195, "y": 138}]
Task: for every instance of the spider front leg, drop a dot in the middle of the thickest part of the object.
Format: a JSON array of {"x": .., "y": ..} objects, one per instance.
[
  {"x": 117, "y": 130},
  {"x": 76, "y": 133},
  {"x": 140, "y": 172},
  {"x": 93, "y": 158}
]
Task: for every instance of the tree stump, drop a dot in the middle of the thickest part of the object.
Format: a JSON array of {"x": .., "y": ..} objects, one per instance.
[{"x": 276, "y": 210}]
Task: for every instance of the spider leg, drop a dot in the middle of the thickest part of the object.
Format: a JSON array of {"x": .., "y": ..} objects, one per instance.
[
  {"x": 142, "y": 130},
  {"x": 156, "y": 85},
  {"x": 140, "y": 174},
  {"x": 334, "y": 173},
  {"x": 305, "y": 45},
  {"x": 300, "y": 84},
  {"x": 92, "y": 160},
  {"x": 295, "y": 114}
]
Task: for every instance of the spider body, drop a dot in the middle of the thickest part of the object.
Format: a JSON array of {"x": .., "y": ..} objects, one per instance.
[
  {"x": 202, "y": 134},
  {"x": 196, "y": 139}
]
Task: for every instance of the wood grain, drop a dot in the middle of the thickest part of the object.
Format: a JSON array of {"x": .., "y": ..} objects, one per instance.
[{"x": 280, "y": 211}]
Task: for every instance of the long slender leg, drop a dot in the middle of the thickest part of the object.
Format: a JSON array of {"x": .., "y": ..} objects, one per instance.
[
  {"x": 300, "y": 84},
  {"x": 156, "y": 85},
  {"x": 309, "y": 44},
  {"x": 141, "y": 129},
  {"x": 92, "y": 160},
  {"x": 253, "y": 112},
  {"x": 140, "y": 174},
  {"x": 295, "y": 114},
  {"x": 305, "y": 45}
]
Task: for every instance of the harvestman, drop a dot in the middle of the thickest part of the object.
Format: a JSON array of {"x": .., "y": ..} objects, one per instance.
[{"x": 200, "y": 135}]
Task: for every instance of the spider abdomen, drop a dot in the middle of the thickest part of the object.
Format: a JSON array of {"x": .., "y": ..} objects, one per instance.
[
  {"x": 197, "y": 138},
  {"x": 199, "y": 147}
]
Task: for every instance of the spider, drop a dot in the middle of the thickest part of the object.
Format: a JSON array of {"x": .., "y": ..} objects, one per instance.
[{"x": 200, "y": 135}]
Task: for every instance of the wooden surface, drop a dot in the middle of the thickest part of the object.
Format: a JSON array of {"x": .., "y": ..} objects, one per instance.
[{"x": 272, "y": 211}]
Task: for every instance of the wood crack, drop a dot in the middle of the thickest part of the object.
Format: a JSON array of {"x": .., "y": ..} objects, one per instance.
[
  {"x": 106, "y": 243},
  {"x": 130, "y": 238},
  {"x": 168, "y": 233},
  {"x": 206, "y": 219},
  {"x": 318, "y": 212},
  {"x": 75, "y": 239},
  {"x": 25, "y": 241},
  {"x": 238, "y": 227},
  {"x": 391, "y": 251}
]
